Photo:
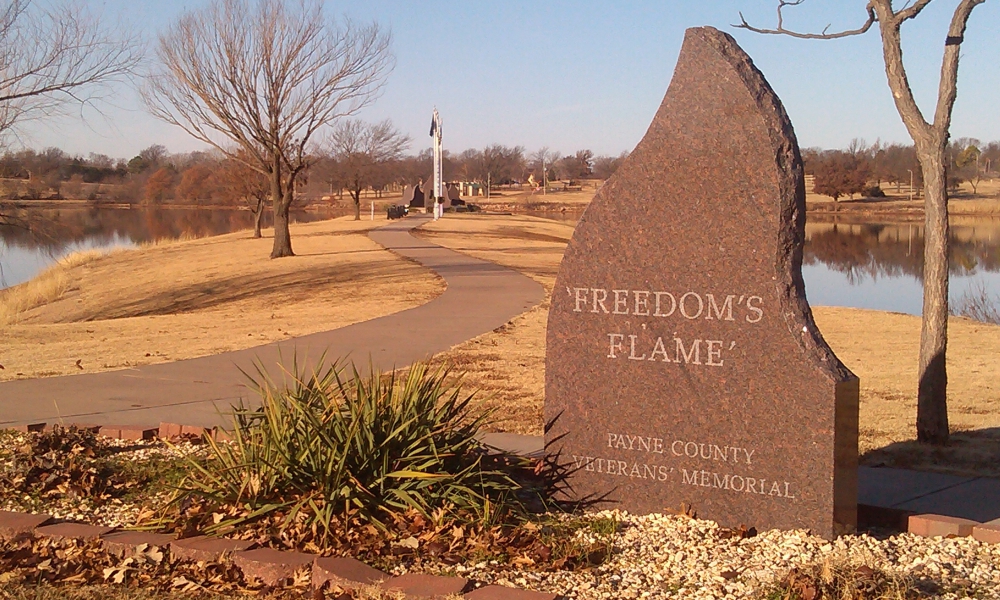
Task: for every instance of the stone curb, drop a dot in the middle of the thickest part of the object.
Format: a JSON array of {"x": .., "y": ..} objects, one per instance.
[
  {"x": 15, "y": 524},
  {"x": 70, "y": 531},
  {"x": 423, "y": 586},
  {"x": 347, "y": 573},
  {"x": 499, "y": 592},
  {"x": 122, "y": 543},
  {"x": 271, "y": 566},
  {"x": 267, "y": 564},
  {"x": 164, "y": 431},
  {"x": 929, "y": 525},
  {"x": 987, "y": 532},
  {"x": 208, "y": 549}
]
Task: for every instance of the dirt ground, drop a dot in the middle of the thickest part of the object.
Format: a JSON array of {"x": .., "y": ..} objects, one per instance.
[
  {"x": 508, "y": 364},
  {"x": 199, "y": 297}
]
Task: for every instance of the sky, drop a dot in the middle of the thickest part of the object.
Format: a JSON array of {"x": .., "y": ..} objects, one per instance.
[{"x": 590, "y": 74}]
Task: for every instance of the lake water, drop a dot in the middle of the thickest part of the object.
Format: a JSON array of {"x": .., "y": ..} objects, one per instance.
[
  {"x": 875, "y": 265},
  {"x": 879, "y": 265},
  {"x": 56, "y": 233}
]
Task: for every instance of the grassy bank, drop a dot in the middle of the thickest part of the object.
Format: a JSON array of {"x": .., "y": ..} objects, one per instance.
[
  {"x": 197, "y": 297},
  {"x": 898, "y": 206}
]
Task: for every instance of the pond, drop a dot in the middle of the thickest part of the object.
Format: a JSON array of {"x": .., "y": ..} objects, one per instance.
[
  {"x": 56, "y": 233},
  {"x": 868, "y": 264},
  {"x": 879, "y": 265}
]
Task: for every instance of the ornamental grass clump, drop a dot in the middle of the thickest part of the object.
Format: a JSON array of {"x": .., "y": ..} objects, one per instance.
[{"x": 324, "y": 451}]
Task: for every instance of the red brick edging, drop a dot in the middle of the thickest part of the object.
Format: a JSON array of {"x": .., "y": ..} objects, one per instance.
[{"x": 270, "y": 566}]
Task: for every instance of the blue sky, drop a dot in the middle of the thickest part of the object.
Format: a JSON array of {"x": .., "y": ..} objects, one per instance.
[{"x": 573, "y": 74}]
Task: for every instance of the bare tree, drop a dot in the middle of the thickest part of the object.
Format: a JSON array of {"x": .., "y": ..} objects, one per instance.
[
  {"x": 605, "y": 166},
  {"x": 362, "y": 150},
  {"x": 242, "y": 182},
  {"x": 257, "y": 79},
  {"x": 931, "y": 140},
  {"x": 542, "y": 162},
  {"x": 53, "y": 58},
  {"x": 498, "y": 164}
]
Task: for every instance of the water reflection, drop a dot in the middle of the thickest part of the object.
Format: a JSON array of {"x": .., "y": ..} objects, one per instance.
[
  {"x": 880, "y": 265},
  {"x": 55, "y": 233},
  {"x": 870, "y": 264},
  {"x": 874, "y": 250}
]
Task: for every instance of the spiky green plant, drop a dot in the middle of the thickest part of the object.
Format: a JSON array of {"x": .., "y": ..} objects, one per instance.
[{"x": 325, "y": 447}]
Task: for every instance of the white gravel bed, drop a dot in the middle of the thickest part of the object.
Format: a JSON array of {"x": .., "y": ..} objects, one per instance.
[
  {"x": 668, "y": 556},
  {"x": 114, "y": 512},
  {"x": 653, "y": 556}
]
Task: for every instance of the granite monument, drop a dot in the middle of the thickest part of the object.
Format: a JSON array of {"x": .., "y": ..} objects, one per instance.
[{"x": 683, "y": 366}]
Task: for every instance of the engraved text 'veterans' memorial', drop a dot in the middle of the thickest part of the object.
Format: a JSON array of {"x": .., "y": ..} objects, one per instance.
[{"x": 683, "y": 364}]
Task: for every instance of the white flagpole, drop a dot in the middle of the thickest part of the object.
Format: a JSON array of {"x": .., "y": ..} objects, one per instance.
[{"x": 438, "y": 167}]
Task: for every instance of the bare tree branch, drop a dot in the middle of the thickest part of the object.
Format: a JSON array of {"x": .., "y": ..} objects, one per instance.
[
  {"x": 948, "y": 85},
  {"x": 56, "y": 56},
  {"x": 363, "y": 151},
  {"x": 257, "y": 79},
  {"x": 909, "y": 12},
  {"x": 930, "y": 141},
  {"x": 824, "y": 35}
]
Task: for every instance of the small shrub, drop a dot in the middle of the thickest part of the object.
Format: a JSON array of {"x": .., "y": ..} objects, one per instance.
[
  {"x": 873, "y": 191},
  {"x": 324, "y": 450},
  {"x": 976, "y": 303}
]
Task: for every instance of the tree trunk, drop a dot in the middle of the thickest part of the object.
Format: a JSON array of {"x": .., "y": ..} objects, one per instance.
[
  {"x": 282, "y": 237},
  {"x": 258, "y": 216},
  {"x": 357, "y": 204},
  {"x": 932, "y": 401},
  {"x": 280, "y": 202}
]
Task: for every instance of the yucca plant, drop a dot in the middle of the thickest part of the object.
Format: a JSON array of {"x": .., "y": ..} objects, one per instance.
[{"x": 326, "y": 449}]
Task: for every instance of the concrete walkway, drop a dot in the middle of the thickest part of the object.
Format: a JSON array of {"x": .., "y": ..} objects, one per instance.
[
  {"x": 480, "y": 297},
  {"x": 976, "y": 498}
]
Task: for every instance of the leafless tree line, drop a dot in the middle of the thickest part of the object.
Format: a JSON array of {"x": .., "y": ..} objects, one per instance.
[{"x": 863, "y": 169}]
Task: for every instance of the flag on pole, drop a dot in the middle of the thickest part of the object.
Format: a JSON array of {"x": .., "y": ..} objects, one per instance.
[{"x": 435, "y": 123}]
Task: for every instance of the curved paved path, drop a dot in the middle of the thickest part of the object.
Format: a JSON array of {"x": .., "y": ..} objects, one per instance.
[{"x": 480, "y": 297}]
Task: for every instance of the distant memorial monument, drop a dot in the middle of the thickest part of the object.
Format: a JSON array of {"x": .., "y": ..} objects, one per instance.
[
  {"x": 683, "y": 365},
  {"x": 413, "y": 195}
]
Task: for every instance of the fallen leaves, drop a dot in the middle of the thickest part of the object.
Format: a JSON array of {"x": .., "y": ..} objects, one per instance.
[{"x": 63, "y": 462}]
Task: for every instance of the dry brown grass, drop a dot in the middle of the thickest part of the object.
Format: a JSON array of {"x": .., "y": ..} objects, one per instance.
[
  {"x": 198, "y": 297},
  {"x": 507, "y": 365},
  {"x": 48, "y": 286},
  {"x": 846, "y": 578},
  {"x": 881, "y": 348}
]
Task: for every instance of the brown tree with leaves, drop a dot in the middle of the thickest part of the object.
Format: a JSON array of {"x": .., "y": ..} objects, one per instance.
[
  {"x": 931, "y": 140},
  {"x": 838, "y": 173},
  {"x": 240, "y": 182}
]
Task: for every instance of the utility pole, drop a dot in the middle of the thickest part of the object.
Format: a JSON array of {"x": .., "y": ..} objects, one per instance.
[{"x": 544, "y": 175}]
